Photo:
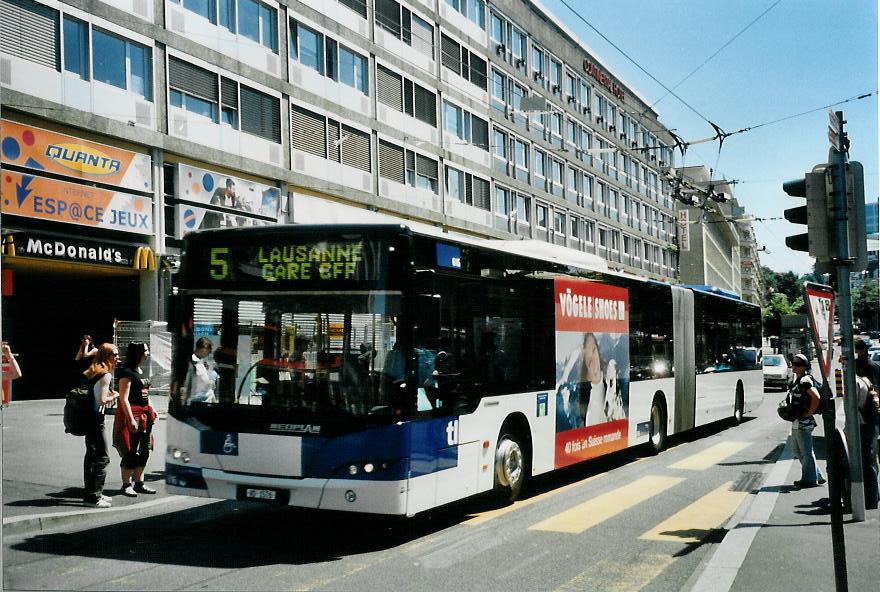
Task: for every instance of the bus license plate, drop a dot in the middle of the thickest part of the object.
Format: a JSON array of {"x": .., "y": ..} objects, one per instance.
[{"x": 261, "y": 494}]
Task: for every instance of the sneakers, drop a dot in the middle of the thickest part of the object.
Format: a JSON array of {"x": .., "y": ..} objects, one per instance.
[
  {"x": 103, "y": 502},
  {"x": 128, "y": 491},
  {"x": 141, "y": 488},
  {"x": 821, "y": 481}
]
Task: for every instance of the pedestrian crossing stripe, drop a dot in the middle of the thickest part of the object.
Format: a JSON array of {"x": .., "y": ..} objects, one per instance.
[
  {"x": 710, "y": 456},
  {"x": 608, "y": 505},
  {"x": 693, "y": 522},
  {"x": 489, "y": 515}
]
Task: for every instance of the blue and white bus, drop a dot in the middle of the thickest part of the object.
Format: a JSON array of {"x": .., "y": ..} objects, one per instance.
[{"x": 372, "y": 368}]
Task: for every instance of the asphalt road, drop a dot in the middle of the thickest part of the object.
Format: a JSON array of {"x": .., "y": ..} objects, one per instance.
[{"x": 625, "y": 522}]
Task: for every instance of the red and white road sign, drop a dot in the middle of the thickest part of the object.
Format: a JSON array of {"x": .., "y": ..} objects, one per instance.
[{"x": 820, "y": 305}]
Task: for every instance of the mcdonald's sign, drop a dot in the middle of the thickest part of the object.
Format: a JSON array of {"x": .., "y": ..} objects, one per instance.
[{"x": 145, "y": 259}]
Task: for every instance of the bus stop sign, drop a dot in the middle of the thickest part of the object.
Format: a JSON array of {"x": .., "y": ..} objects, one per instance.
[{"x": 820, "y": 305}]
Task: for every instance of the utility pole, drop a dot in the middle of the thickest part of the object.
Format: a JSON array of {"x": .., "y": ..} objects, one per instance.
[{"x": 843, "y": 261}]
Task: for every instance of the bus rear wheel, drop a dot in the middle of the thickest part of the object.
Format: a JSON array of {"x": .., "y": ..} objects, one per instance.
[
  {"x": 657, "y": 426},
  {"x": 510, "y": 467}
]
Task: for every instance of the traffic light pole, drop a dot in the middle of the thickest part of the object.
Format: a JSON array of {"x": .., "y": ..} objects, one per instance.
[{"x": 844, "y": 262}]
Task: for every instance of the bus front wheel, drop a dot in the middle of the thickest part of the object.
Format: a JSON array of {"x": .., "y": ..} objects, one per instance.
[
  {"x": 510, "y": 466},
  {"x": 657, "y": 437}
]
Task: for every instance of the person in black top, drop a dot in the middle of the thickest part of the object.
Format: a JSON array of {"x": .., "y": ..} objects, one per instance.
[
  {"x": 99, "y": 378},
  {"x": 133, "y": 423}
]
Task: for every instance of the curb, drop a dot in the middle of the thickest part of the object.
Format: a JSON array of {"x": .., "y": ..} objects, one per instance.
[
  {"x": 720, "y": 570},
  {"x": 20, "y": 525}
]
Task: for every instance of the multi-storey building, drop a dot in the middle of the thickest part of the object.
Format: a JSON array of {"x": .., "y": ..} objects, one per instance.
[
  {"x": 127, "y": 124},
  {"x": 718, "y": 246}
]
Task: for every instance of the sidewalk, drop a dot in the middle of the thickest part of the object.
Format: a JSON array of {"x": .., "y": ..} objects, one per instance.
[
  {"x": 781, "y": 539},
  {"x": 42, "y": 470}
]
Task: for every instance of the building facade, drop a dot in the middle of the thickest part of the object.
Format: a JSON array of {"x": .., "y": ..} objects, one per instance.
[
  {"x": 127, "y": 124},
  {"x": 718, "y": 246}
]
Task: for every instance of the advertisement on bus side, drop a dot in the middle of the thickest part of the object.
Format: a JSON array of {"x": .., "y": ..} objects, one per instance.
[{"x": 592, "y": 369}]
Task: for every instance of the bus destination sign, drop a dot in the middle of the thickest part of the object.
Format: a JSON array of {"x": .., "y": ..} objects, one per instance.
[{"x": 294, "y": 261}]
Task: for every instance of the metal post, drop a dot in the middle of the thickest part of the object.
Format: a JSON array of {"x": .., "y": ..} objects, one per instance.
[
  {"x": 843, "y": 262},
  {"x": 835, "y": 478}
]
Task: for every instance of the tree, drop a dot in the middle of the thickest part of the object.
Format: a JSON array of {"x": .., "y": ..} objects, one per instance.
[
  {"x": 772, "y": 314},
  {"x": 865, "y": 303}
]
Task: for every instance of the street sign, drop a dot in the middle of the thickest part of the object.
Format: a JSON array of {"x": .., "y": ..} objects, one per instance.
[
  {"x": 684, "y": 230},
  {"x": 820, "y": 306},
  {"x": 834, "y": 138},
  {"x": 834, "y": 121}
]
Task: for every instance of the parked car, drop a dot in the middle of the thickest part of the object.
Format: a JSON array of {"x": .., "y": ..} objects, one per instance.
[
  {"x": 875, "y": 355},
  {"x": 777, "y": 372}
]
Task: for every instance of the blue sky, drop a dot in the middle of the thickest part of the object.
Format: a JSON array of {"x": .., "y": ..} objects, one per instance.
[{"x": 801, "y": 55}]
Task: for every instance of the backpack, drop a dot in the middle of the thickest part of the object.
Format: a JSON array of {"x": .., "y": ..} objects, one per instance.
[
  {"x": 79, "y": 408},
  {"x": 871, "y": 408}
]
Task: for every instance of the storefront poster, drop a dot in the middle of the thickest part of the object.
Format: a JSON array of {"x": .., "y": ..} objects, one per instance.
[
  {"x": 200, "y": 186},
  {"x": 42, "y": 150},
  {"x": 60, "y": 201},
  {"x": 592, "y": 369}
]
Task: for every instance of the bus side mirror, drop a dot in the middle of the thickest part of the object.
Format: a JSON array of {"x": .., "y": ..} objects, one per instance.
[{"x": 427, "y": 316}]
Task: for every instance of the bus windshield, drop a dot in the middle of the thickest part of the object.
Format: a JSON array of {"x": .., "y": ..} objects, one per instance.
[{"x": 295, "y": 355}]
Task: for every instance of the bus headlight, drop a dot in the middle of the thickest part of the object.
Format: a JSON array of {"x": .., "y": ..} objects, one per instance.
[
  {"x": 368, "y": 468},
  {"x": 352, "y": 470}
]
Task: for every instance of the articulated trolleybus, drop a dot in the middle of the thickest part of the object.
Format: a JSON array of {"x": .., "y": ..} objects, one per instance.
[{"x": 372, "y": 368}]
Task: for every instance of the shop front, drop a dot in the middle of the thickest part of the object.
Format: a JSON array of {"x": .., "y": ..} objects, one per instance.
[{"x": 78, "y": 238}]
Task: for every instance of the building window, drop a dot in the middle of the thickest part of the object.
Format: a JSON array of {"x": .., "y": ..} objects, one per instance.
[
  {"x": 474, "y": 10},
  {"x": 559, "y": 223},
  {"x": 523, "y": 208},
  {"x": 421, "y": 171},
  {"x": 406, "y": 26},
  {"x": 406, "y": 96},
  {"x": 249, "y": 18},
  {"x": 307, "y": 47},
  {"x": 499, "y": 89},
  {"x": 192, "y": 88},
  {"x": 353, "y": 69},
  {"x": 258, "y": 22},
  {"x": 260, "y": 114},
  {"x": 467, "y": 127},
  {"x": 76, "y": 47},
  {"x": 467, "y": 188},
  {"x": 463, "y": 62},
  {"x": 541, "y": 216},
  {"x": 122, "y": 63}
]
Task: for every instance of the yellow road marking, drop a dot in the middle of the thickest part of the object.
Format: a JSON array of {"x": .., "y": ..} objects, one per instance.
[
  {"x": 709, "y": 457},
  {"x": 490, "y": 514},
  {"x": 481, "y": 517},
  {"x": 592, "y": 512},
  {"x": 614, "y": 575},
  {"x": 694, "y": 522}
]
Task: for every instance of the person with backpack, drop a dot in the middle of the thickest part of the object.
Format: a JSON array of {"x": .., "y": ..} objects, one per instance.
[
  {"x": 866, "y": 399},
  {"x": 805, "y": 399},
  {"x": 134, "y": 419},
  {"x": 99, "y": 377}
]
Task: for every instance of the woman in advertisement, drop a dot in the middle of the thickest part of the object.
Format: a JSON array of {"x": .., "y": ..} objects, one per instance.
[{"x": 588, "y": 392}]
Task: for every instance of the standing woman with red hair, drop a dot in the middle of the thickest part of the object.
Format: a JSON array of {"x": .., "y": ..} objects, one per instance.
[
  {"x": 100, "y": 383},
  {"x": 133, "y": 424}
]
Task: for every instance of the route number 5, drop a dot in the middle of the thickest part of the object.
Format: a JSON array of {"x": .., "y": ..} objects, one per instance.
[{"x": 219, "y": 266}]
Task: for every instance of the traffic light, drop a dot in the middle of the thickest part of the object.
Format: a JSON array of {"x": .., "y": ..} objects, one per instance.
[
  {"x": 855, "y": 203},
  {"x": 817, "y": 240}
]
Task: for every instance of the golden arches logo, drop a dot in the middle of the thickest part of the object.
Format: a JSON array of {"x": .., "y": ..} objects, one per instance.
[
  {"x": 8, "y": 245},
  {"x": 145, "y": 259}
]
